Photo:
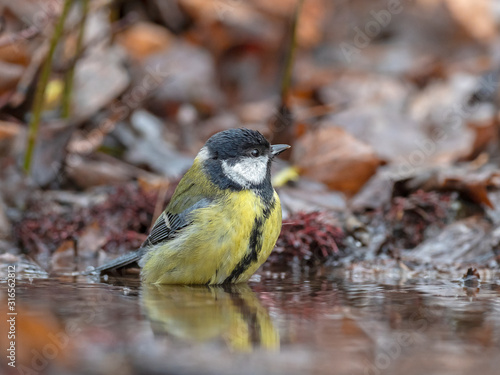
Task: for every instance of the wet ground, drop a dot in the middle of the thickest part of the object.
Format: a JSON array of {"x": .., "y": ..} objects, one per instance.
[{"x": 281, "y": 324}]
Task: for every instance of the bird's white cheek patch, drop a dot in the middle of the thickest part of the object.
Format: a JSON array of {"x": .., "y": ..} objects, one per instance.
[{"x": 249, "y": 171}]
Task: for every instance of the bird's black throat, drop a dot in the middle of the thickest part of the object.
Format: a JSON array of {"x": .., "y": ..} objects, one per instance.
[{"x": 254, "y": 245}]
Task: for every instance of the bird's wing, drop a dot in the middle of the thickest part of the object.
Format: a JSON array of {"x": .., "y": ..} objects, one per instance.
[
  {"x": 165, "y": 228},
  {"x": 191, "y": 194},
  {"x": 176, "y": 217}
]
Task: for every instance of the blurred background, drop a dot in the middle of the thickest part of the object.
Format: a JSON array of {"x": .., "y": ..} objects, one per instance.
[
  {"x": 391, "y": 108},
  {"x": 389, "y": 253}
]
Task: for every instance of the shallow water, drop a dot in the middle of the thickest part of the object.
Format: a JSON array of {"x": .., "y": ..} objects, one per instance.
[{"x": 282, "y": 324}]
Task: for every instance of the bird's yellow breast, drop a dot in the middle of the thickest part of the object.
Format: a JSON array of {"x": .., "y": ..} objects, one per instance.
[{"x": 227, "y": 241}]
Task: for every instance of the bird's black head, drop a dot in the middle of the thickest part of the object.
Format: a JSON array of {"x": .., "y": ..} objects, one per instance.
[{"x": 239, "y": 159}]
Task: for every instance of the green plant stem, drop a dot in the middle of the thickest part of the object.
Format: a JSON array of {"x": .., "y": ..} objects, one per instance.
[
  {"x": 36, "y": 112},
  {"x": 287, "y": 73},
  {"x": 69, "y": 76}
]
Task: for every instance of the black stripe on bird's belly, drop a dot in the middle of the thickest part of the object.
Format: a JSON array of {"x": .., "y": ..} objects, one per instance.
[{"x": 254, "y": 245}]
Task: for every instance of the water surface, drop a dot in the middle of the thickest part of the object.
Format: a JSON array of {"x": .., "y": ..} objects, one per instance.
[{"x": 282, "y": 324}]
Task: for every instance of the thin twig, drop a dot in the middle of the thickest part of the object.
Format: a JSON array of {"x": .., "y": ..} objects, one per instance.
[
  {"x": 282, "y": 124},
  {"x": 287, "y": 73},
  {"x": 36, "y": 112},
  {"x": 116, "y": 27},
  {"x": 69, "y": 76},
  {"x": 39, "y": 56}
]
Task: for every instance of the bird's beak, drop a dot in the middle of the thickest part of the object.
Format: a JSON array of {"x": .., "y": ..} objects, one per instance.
[{"x": 278, "y": 149}]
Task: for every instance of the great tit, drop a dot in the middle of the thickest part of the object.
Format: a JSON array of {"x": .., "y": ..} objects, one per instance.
[{"x": 222, "y": 221}]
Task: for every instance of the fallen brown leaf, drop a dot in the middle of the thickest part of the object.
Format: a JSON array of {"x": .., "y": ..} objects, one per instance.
[
  {"x": 144, "y": 39},
  {"x": 476, "y": 17},
  {"x": 10, "y": 74},
  {"x": 336, "y": 158},
  {"x": 91, "y": 240},
  {"x": 64, "y": 257},
  {"x": 87, "y": 172},
  {"x": 8, "y": 133}
]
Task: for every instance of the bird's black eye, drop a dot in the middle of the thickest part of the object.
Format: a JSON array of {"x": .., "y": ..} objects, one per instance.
[{"x": 255, "y": 153}]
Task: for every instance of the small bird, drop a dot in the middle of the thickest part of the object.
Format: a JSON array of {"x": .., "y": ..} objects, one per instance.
[{"x": 222, "y": 221}]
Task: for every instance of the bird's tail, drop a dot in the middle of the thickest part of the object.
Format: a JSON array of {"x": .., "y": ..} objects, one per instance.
[{"x": 116, "y": 263}]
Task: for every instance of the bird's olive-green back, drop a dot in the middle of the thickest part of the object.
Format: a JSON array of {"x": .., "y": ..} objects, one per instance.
[{"x": 193, "y": 187}]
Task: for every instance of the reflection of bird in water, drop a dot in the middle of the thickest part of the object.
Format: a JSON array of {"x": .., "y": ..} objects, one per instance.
[{"x": 207, "y": 313}]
